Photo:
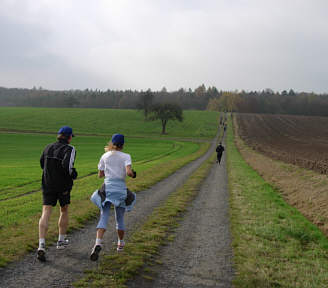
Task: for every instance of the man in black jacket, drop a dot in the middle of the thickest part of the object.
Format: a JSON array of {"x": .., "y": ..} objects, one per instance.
[
  {"x": 57, "y": 163},
  {"x": 219, "y": 150}
]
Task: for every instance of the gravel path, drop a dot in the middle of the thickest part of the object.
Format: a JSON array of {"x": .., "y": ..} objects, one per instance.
[
  {"x": 201, "y": 254},
  {"x": 65, "y": 266}
]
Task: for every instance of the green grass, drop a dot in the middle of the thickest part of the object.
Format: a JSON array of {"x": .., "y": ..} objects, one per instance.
[
  {"x": 154, "y": 158},
  {"x": 20, "y": 164},
  {"x": 143, "y": 246},
  {"x": 196, "y": 124},
  {"x": 15, "y": 209},
  {"x": 19, "y": 225},
  {"x": 274, "y": 245}
]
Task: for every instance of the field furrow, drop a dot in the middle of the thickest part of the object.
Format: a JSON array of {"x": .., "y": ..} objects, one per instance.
[{"x": 299, "y": 140}]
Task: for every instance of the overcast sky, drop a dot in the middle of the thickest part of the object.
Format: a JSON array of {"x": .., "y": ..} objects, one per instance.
[{"x": 140, "y": 44}]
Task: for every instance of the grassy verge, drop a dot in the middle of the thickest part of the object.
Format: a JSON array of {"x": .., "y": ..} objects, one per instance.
[
  {"x": 144, "y": 244},
  {"x": 20, "y": 234},
  {"x": 274, "y": 245},
  {"x": 301, "y": 188}
]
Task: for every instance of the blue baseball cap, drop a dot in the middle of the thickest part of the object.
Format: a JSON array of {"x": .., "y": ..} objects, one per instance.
[
  {"x": 118, "y": 139},
  {"x": 66, "y": 130}
]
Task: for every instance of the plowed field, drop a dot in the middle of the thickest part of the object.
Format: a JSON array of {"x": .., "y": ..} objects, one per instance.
[{"x": 299, "y": 140}]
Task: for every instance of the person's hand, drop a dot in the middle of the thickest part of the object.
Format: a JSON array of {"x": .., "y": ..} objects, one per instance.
[
  {"x": 134, "y": 174},
  {"x": 74, "y": 174}
]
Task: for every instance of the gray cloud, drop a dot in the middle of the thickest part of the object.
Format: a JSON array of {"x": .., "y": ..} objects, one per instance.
[{"x": 144, "y": 44}]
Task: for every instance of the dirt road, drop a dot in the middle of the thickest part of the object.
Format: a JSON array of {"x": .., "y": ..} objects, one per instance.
[
  {"x": 65, "y": 266},
  {"x": 201, "y": 254}
]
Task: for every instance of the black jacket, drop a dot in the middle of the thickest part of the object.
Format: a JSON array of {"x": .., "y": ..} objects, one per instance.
[
  {"x": 219, "y": 149},
  {"x": 57, "y": 161}
]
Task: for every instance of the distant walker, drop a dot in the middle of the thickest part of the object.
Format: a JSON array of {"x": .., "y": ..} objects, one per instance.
[{"x": 219, "y": 150}]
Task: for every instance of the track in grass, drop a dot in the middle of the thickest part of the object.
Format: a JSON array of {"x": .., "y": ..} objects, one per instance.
[{"x": 23, "y": 177}]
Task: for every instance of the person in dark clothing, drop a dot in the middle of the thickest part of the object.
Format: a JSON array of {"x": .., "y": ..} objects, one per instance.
[
  {"x": 219, "y": 150},
  {"x": 57, "y": 163}
]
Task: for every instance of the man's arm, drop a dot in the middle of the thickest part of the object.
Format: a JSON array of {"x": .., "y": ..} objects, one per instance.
[
  {"x": 68, "y": 162},
  {"x": 101, "y": 174},
  {"x": 42, "y": 160}
]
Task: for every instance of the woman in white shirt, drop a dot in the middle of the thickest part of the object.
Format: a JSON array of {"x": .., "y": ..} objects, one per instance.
[{"x": 114, "y": 165}]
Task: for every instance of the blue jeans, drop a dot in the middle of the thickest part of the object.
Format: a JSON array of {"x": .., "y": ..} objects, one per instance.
[{"x": 104, "y": 216}]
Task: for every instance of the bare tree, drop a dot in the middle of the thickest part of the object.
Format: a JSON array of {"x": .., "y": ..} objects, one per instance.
[{"x": 165, "y": 112}]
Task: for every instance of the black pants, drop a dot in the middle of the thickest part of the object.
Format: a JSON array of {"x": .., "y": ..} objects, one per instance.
[
  {"x": 51, "y": 197},
  {"x": 219, "y": 156}
]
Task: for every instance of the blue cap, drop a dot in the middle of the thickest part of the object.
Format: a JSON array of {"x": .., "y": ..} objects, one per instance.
[
  {"x": 66, "y": 130},
  {"x": 118, "y": 139}
]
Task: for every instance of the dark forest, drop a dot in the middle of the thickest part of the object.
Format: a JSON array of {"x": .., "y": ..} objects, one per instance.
[{"x": 201, "y": 98}]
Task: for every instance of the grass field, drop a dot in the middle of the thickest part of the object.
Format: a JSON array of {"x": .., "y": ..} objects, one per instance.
[
  {"x": 20, "y": 164},
  {"x": 19, "y": 228},
  {"x": 274, "y": 244},
  {"x": 154, "y": 158},
  {"x": 196, "y": 124}
]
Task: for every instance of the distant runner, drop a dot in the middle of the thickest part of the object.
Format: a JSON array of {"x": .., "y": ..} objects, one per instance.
[
  {"x": 114, "y": 165},
  {"x": 219, "y": 150},
  {"x": 57, "y": 161}
]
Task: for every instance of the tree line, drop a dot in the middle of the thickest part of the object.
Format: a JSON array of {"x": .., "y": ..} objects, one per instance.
[{"x": 201, "y": 98}]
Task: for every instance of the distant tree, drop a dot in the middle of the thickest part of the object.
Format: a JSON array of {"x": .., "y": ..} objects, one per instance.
[
  {"x": 268, "y": 91},
  {"x": 284, "y": 93},
  {"x": 213, "y": 104},
  {"x": 291, "y": 92},
  {"x": 212, "y": 92},
  {"x": 200, "y": 91},
  {"x": 165, "y": 112},
  {"x": 164, "y": 90},
  {"x": 71, "y": 101},
  {"x": 145, "y": 102},
  {"x": 229, "y": 101}
]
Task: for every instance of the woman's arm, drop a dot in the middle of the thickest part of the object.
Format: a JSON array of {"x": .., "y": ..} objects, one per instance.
[
  {"x": 101, "y": 173},
  {"x": 130, "y": 172}
]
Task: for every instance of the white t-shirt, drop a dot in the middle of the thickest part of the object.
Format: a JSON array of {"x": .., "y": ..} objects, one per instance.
[{"x": 113, "y": 163}]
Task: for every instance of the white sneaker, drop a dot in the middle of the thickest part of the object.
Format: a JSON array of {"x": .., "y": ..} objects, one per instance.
[
  {"x": 41, "y": 253},
  {"x": 62, "y": 244},
  {"x": 120, "y": 246}
]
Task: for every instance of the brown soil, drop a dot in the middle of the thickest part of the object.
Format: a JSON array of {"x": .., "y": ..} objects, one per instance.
[
  {"x": 304, "y": 189},
  {"x": 299, "y": 140}
]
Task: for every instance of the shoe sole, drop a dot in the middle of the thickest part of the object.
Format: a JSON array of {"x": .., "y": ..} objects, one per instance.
[
  {"x": 41, "y": 256},
  {"x": 120, "y": 248},
  {"x": 95, "y": 253},
  {"x": 63, "y": 245},
  {"x": 60, "y": 247}
]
